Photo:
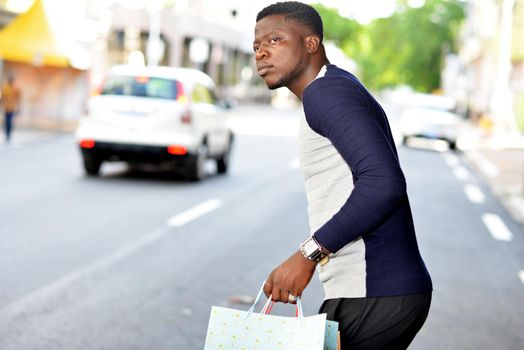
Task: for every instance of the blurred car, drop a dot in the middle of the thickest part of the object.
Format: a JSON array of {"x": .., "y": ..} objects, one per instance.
[
  {"x": 431, "y": 117},
  {"x": 156, "y": 115}
]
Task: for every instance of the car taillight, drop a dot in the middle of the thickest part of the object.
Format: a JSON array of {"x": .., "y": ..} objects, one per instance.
[
  {"x": 186, "y": 118},
  {"x": 181, "y": 96},
  {"x": 142, "y": 79},
  {"x": 176, "y": 150},
  {"x": 88, "y": 143},
  {"x": 96, "y": 91}
]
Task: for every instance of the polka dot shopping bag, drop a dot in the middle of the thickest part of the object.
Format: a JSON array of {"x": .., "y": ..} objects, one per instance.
[{"x": 230, "y": 329}]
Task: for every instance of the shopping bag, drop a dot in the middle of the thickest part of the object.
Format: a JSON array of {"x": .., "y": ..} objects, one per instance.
[
  {"x": 231, "y": 329},
  {"x": 332, "y": 336}
]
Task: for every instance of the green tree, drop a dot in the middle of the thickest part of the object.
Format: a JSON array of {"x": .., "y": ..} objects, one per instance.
[
  {"x": 344, "y": 32},
  {"x": 405, "y": 48}
]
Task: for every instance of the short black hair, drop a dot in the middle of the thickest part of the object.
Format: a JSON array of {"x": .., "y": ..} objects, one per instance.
[{"x": 298, "y": 11}]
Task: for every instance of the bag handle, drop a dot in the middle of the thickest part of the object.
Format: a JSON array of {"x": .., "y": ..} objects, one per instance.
[
  {"x": 257, "y": 298},
  {"x": 268, "y": 306}
]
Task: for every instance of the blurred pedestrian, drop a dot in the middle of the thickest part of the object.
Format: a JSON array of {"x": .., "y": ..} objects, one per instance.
[
  {"x": 362, "y": 233},
  {"x": 10, "y": 100}
]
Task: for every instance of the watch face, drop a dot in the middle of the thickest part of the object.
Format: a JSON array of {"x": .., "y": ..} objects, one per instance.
[{"x": 310, "y": 246}]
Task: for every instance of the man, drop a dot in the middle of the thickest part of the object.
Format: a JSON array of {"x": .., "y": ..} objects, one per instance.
[
  {"x": 10, "y": 97},
  {"x": 362, "y": 233}
]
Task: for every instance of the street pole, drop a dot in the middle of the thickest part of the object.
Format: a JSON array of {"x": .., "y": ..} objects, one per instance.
[
  {"x": 155, "y": 47},
  {"x": 502, "y": 96}
]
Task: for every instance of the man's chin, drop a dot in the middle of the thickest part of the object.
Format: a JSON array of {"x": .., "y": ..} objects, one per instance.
[
  {"x": 272, "y": 85},
  {"x": 274, "y": 81}
]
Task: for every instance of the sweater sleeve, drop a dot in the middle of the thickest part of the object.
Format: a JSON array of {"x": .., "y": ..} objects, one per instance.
[{"x": 336, "y": 108}]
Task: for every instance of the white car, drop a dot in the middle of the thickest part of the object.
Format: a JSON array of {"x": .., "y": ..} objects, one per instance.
[
  {"x": 431, "y": 118},
  {"x": 156, "y": 115}
]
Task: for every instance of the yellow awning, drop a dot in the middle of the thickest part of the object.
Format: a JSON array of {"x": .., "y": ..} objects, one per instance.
[{"x": 29, "y": 39}]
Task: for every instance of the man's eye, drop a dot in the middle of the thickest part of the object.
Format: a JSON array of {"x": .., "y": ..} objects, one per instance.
[
  {"x": 274, "y": 40},
  {"x": 255, "y": 49}
]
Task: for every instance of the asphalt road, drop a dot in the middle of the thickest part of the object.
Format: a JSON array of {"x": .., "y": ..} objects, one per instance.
[{"x": 135, "y": 259}]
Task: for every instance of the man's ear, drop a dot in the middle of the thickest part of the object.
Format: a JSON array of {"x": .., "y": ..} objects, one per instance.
[{"x": 312, "y": 43}]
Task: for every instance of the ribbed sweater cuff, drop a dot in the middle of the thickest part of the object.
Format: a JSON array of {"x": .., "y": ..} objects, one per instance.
[{"x": 330, "y": 237}]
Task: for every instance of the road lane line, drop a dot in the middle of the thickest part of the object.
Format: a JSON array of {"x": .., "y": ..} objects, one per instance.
[
  {"x": 497, "y": 227},
  {"x": 474, "y": 194},
  {"x": 461, "y": 173},
  {"x": 194, "y": 213},
  {"x": 51, "y": 294},
  {"x": 489, "y": 168},
  {"x": 42, "y": 295},
  {"x": 293, "y": 164},
  {"x": 517, "y": 202},
  {"x": 485, "y": 165},
  {"x": 451, "y": 159},
  {"x": 521, "y": 276}
]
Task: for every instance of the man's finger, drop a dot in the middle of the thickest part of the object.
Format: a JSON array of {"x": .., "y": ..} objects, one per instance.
[
  {"x": 268, "y": 287},
  {"x": 285, "y": 297},
  {"x": 292, "y": 297},
  {"x": 276, "y": 294}
]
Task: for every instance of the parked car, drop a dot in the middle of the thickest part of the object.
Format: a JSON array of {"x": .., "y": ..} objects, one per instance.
[
  {"x": 156, "y": 115},
  {"x": 431, "y": 117}
]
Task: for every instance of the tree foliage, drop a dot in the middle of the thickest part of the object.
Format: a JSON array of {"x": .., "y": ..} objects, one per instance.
[
  {"x": 341, "y": 30},
  {"x": 405, "y": 48}
]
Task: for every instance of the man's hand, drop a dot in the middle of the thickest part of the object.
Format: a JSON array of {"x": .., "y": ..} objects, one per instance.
[{"x": 291, "y": 277}]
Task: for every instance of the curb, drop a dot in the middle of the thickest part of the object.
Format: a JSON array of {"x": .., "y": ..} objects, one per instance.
[{"x": 512, "y": 198}]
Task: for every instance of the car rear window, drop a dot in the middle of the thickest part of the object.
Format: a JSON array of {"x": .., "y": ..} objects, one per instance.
[{"x": 141, "y": 86}]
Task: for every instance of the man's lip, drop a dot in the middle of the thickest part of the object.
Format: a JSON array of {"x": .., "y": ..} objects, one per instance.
[{"x": 263, "y": 70}]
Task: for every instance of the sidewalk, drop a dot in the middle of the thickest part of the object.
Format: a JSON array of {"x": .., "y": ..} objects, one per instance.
[
  {"x": 23, "y": 136},
  {"x": 499, "y": 161}
]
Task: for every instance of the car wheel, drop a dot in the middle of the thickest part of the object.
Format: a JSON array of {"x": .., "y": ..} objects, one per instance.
[
  {"x": 223, "y": 161},
  {"x": 92, "y": 164},
  {"x": 452, "y": 145},
  {"x": 197, "y": 165}
]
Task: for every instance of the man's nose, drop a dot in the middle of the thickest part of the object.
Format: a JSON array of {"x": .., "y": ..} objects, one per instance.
[{"x": 261, "y": 53}]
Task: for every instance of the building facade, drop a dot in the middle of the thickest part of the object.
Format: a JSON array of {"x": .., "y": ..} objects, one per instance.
[
  {"x": 196, "y": 34},
  {"x": 487, "y": 76}
]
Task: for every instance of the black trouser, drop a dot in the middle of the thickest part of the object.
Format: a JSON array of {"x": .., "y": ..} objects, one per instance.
[
  {"x": 8, "y": 124},
  {"x": 378, "y": 323}
]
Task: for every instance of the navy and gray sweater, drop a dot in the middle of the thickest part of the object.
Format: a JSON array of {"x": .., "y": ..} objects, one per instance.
[{"x": 357, "y": 200}]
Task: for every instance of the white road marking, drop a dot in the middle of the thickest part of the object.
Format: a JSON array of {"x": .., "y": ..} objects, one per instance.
[
  {"x": 453, "y": 162},
  {"x": 521, "y": 276},
  {"x": 42, "y": 295},
  {"x": 474, "y": 194},
  {"x": 485, "y": 165},
  {"x": 461, "y": 173},
  {"x": 451, "y": 159},
  {"x": 517, "y": 202},
  {"x": 497, "y": 227},
  {"x": 194, "y": 213},
  {"x": 293, "y": 164}
]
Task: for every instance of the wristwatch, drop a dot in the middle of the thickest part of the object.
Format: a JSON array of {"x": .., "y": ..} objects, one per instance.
[{"x": 313, "y": 251}]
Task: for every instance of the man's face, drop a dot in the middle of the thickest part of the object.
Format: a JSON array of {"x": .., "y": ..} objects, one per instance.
[{"x": 280, "y": 52}]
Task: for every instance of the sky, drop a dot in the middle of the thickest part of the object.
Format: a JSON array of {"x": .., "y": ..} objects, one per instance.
[{"x": 362, "y": 10}]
